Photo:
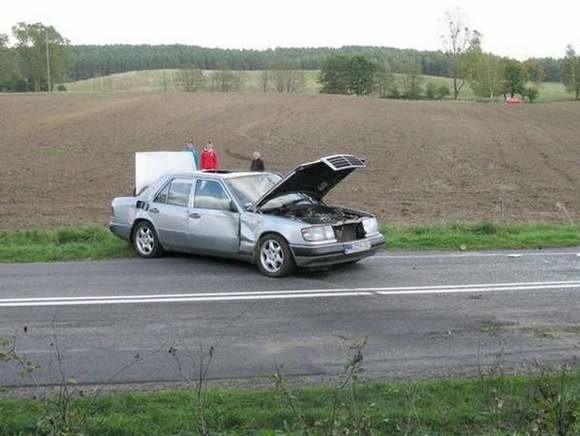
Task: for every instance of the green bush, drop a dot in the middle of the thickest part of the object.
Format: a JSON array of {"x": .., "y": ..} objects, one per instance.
[
  {"x": 394, "y": 93},
  {"x": 431, "y": 91},
  {"x": 444, "y": 92},
  {"x": 531, "y": 93}
]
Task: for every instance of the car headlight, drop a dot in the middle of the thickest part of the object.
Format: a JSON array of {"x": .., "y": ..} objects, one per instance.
[
  {"x": 318, "y": 233},
  {"x": 370, "y": 225}
]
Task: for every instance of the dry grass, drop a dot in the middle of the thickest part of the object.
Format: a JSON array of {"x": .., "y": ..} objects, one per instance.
[{"x": 168, "y": 81}]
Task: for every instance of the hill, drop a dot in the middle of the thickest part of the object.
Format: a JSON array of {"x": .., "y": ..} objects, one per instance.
[
  {"x": 102, "y": 60},
  {"x": 168, "y": 81},
  {"x": 65, "y": 156}
]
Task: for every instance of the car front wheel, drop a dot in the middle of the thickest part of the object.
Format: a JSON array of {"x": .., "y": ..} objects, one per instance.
[
  {"x": 145, "y": 240},
  {"x": 274, "y": 257}
]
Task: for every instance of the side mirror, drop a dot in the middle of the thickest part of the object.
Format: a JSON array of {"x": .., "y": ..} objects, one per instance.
[{"x": 233, "y": 207}]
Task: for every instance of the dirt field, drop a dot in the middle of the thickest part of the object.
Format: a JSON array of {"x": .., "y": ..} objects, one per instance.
[{"x": 64, "y": 157}]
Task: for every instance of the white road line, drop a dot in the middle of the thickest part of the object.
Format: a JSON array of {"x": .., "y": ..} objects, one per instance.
[
  {"x": 291, "y": 291},
  {"x": 490, "y": 289},
  {"x": 287, "y": 294},
  {"x": 188, "y": 299},
  {"x": 470, "y": 254}
]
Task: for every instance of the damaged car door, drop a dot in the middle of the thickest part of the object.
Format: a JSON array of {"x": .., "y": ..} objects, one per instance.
[{"x": 214, "y": 220}]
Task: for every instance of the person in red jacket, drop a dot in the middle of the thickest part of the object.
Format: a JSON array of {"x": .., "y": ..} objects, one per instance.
[{"x": 209, "y": 158}]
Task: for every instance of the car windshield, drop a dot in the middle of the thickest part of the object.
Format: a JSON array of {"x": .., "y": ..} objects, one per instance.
[{"x": 249, "y": 189}]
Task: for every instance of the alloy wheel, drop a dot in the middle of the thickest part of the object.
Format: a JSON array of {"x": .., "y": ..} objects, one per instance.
[
  {"x": 272, "y": 256},
  {"x": 145, "y": 240}
]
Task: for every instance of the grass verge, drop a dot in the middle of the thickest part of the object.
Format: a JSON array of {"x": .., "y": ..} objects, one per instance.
[
  {"x": 89, "y": 242},
  {"x": 92, "y": 242},
  {"x": 524, "y": 404},
  {"x": 483, "y": 236}
]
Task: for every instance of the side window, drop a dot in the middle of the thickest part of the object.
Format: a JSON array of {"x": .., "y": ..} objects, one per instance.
[
  {"x": 162, "y": 196},
  {"x": 211, "y": 195},
  {"x": 179, "y": 192}
]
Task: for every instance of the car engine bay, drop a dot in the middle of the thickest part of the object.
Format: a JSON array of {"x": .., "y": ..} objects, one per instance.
[{"x": 317, "y": 213}]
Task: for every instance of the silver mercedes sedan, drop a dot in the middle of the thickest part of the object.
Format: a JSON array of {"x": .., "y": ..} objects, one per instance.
[{"x": 279, "y": 223}]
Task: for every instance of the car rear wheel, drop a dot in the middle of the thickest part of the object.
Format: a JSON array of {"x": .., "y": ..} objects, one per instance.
[
  {"x": 145, "y": 240},
  {"x": 274, "y": 257}
]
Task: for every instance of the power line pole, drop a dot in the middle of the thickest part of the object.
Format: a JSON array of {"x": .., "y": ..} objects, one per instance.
[{"x": 47, "y": 63}]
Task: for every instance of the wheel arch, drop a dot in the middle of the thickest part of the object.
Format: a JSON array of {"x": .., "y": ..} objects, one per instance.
[{"x": 266, "y": 233}]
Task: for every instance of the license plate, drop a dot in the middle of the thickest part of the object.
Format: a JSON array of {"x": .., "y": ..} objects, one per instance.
[{"x": 356, "y": 247}]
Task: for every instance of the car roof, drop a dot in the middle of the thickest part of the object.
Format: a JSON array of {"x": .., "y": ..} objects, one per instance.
[{"x": 215, "y": 175}]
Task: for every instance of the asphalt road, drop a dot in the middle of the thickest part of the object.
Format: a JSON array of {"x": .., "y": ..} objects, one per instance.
[{"x": 422, "y": 314}]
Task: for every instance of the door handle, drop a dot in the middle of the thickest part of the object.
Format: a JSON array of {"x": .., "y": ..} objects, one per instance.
[
  {"x": 194, "y": 215},
  {"x": 154, "y": 210}
]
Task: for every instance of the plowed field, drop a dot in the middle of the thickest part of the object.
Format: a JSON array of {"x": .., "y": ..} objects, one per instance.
[{"x": 64, "y": 157}]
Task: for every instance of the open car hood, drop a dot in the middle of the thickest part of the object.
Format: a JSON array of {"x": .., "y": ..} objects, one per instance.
[{"x": 315, "y": 178}]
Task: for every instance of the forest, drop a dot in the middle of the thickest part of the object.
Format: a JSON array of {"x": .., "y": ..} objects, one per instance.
[
  {"x": 98, "y": 60},
  {"x": 37, "y": 57}
]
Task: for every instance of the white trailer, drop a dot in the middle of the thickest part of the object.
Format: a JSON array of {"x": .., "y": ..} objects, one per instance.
[{"x": 151, "y": 165}]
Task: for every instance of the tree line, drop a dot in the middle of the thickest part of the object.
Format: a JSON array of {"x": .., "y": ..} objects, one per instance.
[
  {"x": 357, "y": 75},
  {"x": 488, "y": 75},
  {"x": 102, "y": 60},
  {"x": 280, "y": 78},
  {"x": 37, "y": 57},
  {"x": 192, "y": 79},
  {"x": 94, "y": 61}
]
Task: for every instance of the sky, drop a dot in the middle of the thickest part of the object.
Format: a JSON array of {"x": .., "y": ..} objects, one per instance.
[{"x": 515, "y": 28}]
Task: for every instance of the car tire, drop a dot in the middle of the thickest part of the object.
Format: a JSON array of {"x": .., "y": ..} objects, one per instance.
[
  {"x": 274, "y": 257},
  {"x": 145, "y": 240}
]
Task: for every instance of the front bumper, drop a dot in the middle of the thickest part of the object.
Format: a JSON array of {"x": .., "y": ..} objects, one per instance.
[{"x": 334, "y": 253}]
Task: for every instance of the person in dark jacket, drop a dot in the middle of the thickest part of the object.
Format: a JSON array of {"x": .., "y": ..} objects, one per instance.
[{"x": 257, "y": 162}]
